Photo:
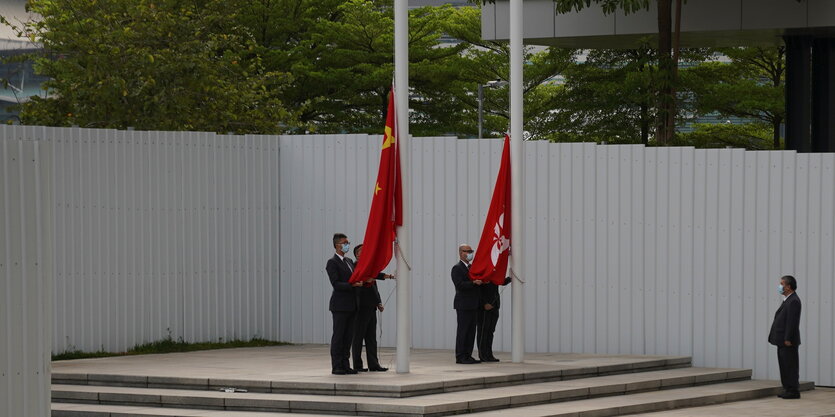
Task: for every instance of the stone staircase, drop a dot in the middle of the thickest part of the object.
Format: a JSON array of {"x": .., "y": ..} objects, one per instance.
[{"x": 611, "y": 389}]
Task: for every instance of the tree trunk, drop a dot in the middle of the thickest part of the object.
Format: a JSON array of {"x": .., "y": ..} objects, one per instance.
[
  {"x": 775, "y": 126},
  {"x": 665, "y": 66},
  {"x": 644, "y": 123}
]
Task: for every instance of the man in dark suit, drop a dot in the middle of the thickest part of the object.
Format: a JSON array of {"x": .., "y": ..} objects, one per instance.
[
  {"x": 785, "y": 334},
  {"x": 365, "y": 327},
  {"x": 343, "y": 305},
  {"x": 488, "y": 316},
  {"x": 467, "y": 303}
]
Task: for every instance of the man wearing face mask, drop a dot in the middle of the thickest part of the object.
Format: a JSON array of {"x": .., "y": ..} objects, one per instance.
[
  {"x": 785, "y": 334},
  {"x": 343, "y": 305},
  {"x": 467, "y": 303}
]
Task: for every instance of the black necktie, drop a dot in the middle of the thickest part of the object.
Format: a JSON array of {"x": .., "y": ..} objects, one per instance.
[{"x": 350, "y": 268}]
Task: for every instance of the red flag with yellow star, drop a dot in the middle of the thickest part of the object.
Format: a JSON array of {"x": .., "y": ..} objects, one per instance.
[{"x": 386, "y": 206}]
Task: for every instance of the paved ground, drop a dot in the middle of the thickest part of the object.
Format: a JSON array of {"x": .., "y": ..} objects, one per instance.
[{"x": 817, "y": 403}]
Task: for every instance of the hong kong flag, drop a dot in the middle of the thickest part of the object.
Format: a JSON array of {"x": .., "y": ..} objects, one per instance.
[
  {"x": 386, "y": 206},
  {"x": 491, "y": 257}
]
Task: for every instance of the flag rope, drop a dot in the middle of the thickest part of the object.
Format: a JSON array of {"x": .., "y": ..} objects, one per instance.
[
  {"x": 516, "y": 277},
  {"x": 405, "y": 261}
]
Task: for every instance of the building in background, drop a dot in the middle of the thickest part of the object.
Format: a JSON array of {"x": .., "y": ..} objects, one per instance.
[{"x": 18, "y": 81}]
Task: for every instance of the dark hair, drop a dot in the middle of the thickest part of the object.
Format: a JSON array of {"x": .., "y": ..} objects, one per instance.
[
  {"x": 337, "y": 237},
  {"x": 357, "y": 249},
  {"x": 791, "y": 281}
]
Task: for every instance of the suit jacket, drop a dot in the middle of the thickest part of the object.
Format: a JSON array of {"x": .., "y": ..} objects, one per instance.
[
  {"x": 344, "y": 297},
  {"x": 490, "y": 294},
  {"x": 369, "y": 297},
  {"x": 467, "y": 294},
  {"x": 786, "y": 324}
]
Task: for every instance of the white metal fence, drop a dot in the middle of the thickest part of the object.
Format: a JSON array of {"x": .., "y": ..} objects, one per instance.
[
  {"x": 25, "y": 278},
  {"x": 629, "y": 249}
]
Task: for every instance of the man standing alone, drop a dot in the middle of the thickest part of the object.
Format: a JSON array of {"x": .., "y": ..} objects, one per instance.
[
  {"x": 467, "y": 303},
  {"x": 343, "y": 305},
  {"x": 785, "y": 334}
]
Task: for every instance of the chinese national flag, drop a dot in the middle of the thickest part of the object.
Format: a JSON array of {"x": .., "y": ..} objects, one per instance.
[
  {"x": 490, "y": 262},
  {"x": 386, "y": 206}
]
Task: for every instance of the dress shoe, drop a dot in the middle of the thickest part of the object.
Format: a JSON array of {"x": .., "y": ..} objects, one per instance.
[
  {"x": 338, "y": 372},
  {"x": 350, "y": 371},
  {"x": 490, "y": 359},
  {"x": 467, "y": 361},
  {"x": 361, "y": 369},
  {"x": 791, "y": 396},
  {"x": 378, "y": 369}
]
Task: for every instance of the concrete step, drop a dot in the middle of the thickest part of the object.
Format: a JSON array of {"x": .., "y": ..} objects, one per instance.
[
  {"x": 96, "y": 410},
  {"x": 422, "y": 380},
  {"x": 426, "y": 405},
  {"x": 696, "y": 396},
  {"x": 648, "y": 402}
]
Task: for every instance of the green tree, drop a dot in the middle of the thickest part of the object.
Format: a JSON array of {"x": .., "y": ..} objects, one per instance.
[
  {"x": 162, "y": 64},
  {"x": 484, "y": 61},
  {"x": 609, "y": 97},
  {"x": 754, "y": 136},
  {"x": 668, "y": 52},
  {"x": 286, "y": 33},
  {"x": 341, "y": 58},
  {"x": 342, "y": 61},
  {"x": 750, "y": 85}
]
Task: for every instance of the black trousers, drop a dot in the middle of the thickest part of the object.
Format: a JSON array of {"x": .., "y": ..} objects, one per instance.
[
  {"x": 465, "y": 336},
  {"x": 365, "y": 330},
  {"x": 789, "y": 360},
  {"x": 484, "y": 332},
  {"x": 343, "y": 334}
]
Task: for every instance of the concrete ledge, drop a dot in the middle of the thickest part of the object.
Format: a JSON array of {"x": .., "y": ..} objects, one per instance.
[
  {"x": 129, "y": 398},
  {"x": 74, "y": 395},
  {"x": 194, "y": 401},
  {"x": 255, "y": 404},
  {"x": 113, "y": 379},
  {"x": 249, "y": 385},
  {"x": 319, "y": 406}
]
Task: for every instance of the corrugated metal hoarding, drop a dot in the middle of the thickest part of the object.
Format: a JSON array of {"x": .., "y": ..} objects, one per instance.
[{"x": 630, "y": 249}]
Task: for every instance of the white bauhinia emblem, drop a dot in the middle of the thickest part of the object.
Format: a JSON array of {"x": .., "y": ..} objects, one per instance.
[{"x": 500, "y": 242}]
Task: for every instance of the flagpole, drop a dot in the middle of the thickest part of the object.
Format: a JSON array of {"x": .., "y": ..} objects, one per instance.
[
  {"x": 401, "y": 91},
  {"x": 516, "y": 138}
]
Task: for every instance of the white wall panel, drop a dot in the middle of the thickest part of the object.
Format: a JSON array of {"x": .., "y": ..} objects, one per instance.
[
  {"x": 630, "y": 249},
  {"x": 162, "y": 234},
  {"x": 25, "y": 277}
]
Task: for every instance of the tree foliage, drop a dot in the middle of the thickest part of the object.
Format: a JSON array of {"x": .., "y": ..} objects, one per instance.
[
  {"x": 753, "y": 135},
  {"x": 489, "y": 61},
  {"x": 750, "y": 85},
  {"x": 161, "y": 64},
  {"x": 668, "y": 51},
  {"x": 326, "y": 66}
]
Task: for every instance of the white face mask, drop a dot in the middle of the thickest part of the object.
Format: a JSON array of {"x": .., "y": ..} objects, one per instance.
[{"x": 470, "y": 257}]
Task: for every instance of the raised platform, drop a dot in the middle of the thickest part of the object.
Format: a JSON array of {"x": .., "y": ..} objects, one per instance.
[
  {"x": 305, "y": 369},
  {"x": 297, "y": 379}
]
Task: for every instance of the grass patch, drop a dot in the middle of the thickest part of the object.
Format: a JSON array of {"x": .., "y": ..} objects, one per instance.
[{"x": 168, "y": 346}]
